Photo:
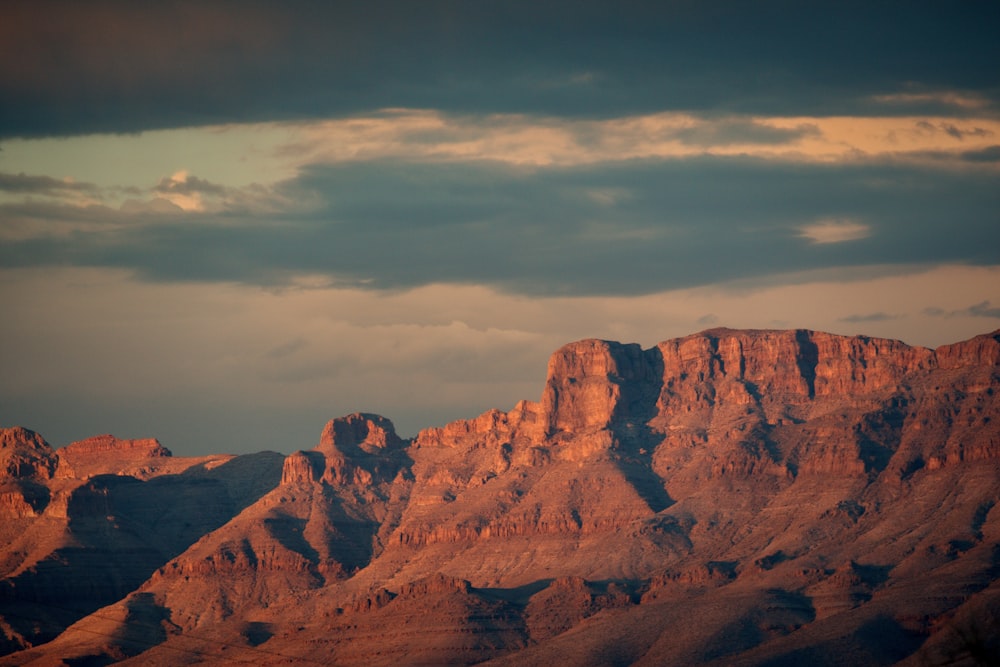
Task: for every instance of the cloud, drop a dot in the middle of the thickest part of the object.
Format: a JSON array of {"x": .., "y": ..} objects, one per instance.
[
  {"x": 834, "y": 231},
  {"x": 112, "y": 66},
  {"x": 187, "y": 192},
  {"x": 960, "y": 134},
  {"x": 183, "y": 183},
  {"x": 386, "y": 225},
  {"x": 533, "y": 141},
  {"x": 35, "y": 184},
  {"x": 405, "y": 207},
  {"x": 743, "y": 131},
  {"x": 46, "y": 190},
  {"x": 155, "y": 206},
  {"x": 41, "y": 207},
  {"x": 988, "y": 155},
  {"x": 981, "y": 309},
  {"x": 95, "y": 350},
  {"x": 869, "y": 317},
  {"x": 954, "y": 131},
  {"x": 948, "y": 98},
  {"x": 707, "y": 320}
]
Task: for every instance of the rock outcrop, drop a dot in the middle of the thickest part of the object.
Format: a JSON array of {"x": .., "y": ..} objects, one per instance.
[
  {"x": 79, "y": 532},
  {"x": 731, "y": 497},
  {"x": 25, "y": 455},
  {"x": 108, "y": 455},
  {"x": 27, "y": 463}
]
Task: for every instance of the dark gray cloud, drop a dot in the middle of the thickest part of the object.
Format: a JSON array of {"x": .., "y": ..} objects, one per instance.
[
  {"x": 987, "y": 155},
  {"x": 960, "y": 134},
  {"x": 984, "y": 309},
  {"x": 869, "y": 317},
  {"x": 676, "y": 223},
  {"x": 33, "y": 184},
  {"x": 117, "y": 66},
  {"x": 952, "y": 130},
  {"x": 742, "y": 132},
  {"x": 991, "y": 154},
  {"x": 981, "y": 309}
]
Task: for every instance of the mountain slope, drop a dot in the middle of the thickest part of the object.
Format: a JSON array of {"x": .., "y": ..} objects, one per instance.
[{"x": 731, "y": 497}]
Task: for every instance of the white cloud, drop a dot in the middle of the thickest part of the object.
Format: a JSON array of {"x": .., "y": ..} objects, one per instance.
[{"x": 834, "y": 231}]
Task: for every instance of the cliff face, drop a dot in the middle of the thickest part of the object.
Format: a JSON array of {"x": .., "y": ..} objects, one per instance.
[
  {"x": 27, "y": 462},
  {"x": 25, "y": 455},
  {"x": 108, "y": 455},
  {"x": 83, "y": 526},
  {"x": 779, "y": 487}
]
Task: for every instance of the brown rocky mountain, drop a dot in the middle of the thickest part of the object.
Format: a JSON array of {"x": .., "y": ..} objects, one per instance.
[{"x": 728, "y": 498}]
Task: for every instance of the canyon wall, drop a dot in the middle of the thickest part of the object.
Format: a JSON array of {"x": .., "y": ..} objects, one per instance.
[{"x": 731, "y": 497}]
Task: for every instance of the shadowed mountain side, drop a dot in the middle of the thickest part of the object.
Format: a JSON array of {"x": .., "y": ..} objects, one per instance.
[
  {"x": 98, "y": 538},
  {"x": 731, "y": 497},
  {"x": 317, "y": 527}
]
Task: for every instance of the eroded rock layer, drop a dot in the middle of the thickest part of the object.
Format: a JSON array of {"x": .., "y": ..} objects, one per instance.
[{"x": 731, "y": 497}]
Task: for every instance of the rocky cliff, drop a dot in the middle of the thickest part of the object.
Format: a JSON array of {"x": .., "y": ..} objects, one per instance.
[
  {"x": 85, "y": 525},
  {"x": 731, "y": 497}
]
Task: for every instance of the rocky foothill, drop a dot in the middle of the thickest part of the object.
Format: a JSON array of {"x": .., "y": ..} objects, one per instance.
[{"x": 727, "y": 498}]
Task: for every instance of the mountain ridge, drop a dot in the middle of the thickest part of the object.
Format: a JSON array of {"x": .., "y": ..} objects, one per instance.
[{"x": 806, "y": 483}]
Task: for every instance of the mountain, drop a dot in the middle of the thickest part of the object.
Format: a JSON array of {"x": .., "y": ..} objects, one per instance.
[{"x": 727, "y": 498}]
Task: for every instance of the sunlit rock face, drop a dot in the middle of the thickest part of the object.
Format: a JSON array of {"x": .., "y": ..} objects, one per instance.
[
  {"x": 731, "y": 497},
  {"x": 25, "y": 455}
]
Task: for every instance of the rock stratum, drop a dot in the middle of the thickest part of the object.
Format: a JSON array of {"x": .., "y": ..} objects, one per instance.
[{"x": 727, "y": 498}]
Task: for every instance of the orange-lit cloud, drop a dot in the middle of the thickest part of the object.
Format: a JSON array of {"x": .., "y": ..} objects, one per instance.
[
  {"x": 539, "y": 142},
  {"x": 834, "y": 231},
  {"x": 235, "y": 166},
  {"x": 175, "y": 190}
]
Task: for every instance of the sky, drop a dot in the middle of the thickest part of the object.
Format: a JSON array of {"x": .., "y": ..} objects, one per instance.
[{"x": 224, "y": 223}]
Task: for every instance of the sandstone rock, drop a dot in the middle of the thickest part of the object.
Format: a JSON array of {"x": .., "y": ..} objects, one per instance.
[
  {"x": 434, "y": 584},
  {"x": 981, "y": 351},
  {"x": 108, "y": 455},
  {"x": 299, "y": 468},
  {"x": 586, "y": 381},
  {"x": 358, "y": 449},
  {"x": 25, "y": 455},
  {"x": 730, "y": 497},
  {"x": 78, "y": 544},
  {"x": 104, "y": 444}
]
